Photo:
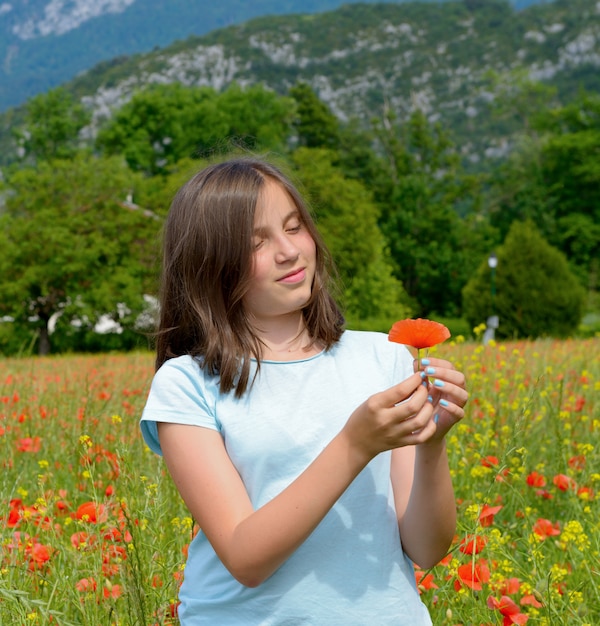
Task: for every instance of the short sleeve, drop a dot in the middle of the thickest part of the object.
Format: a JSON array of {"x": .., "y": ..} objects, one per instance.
[{"x": 180, "y": 394}]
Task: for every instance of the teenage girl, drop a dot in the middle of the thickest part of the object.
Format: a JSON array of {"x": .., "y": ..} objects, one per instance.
[{"x": 313, "y": 458}]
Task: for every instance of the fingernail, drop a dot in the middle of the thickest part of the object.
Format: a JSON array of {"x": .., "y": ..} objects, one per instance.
[
  {"x": 422, "y": 374},
  {"x": 438, "y": 383},
  {"x": 436, "y": 418},
  {"x": 430, "y": 370},
  {"x": 430, "y": 399},
  {"x": 444, "y": 402},
  {"x": 425, "y": 361},
  {"x": 425, "y": 383}
]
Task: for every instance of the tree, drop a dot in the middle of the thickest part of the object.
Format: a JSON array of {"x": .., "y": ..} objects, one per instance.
[
  {"x": 554, "y": 180},
  {"x": 52, "y": 124},
  {"x": 74, "y": 248},
  {"x": 165, "y": 123},
  {"x": 428, "y": 210},
  {"x": 347, "y": 217},
  {"x": 536, "y": 294},
  {"x": 316, "y": 125}
]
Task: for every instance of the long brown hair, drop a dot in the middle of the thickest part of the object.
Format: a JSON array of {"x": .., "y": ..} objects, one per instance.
[{"x": 207, "y": 264}]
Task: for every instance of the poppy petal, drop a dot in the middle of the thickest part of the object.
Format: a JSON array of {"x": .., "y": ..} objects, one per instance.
[{"x": 418, "y": 333}]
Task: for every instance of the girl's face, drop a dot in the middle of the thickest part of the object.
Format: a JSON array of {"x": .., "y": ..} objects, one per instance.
[{"x": 284, "y": 258}]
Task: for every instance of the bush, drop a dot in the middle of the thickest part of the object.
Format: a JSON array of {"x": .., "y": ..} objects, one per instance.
[{"x": 536, "y": 293}]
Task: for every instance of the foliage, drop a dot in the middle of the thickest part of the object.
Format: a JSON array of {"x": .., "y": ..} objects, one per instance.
[
  {"x": 165, "y": 123},
  {"x": 554, "y": 180},
  {"x": 73, "y": 248},
  {"x": 408, "y": 224},
  {"x": 51, "y": 126},
  {"x": 536, "y": 294},
  {"x": 94, "y": 532},
  {"x": 426, "y": 190},
  {"x": 315, "y": 124},
  {"x": 347, "y": 218}
]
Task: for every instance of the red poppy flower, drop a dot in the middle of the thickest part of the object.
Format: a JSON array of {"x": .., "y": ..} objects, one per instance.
[
  {"x": 577, "y": 462},
  {"x": 419, "y": 333},
  {"x": 535, "y": 479},
  {"x": 531, "y": 600},
  {"x": 563, "y": 482},
  {"x": 38, "y": 554},
  {"x": 544, "y": 528},
  {"x": 81, "y": 540},
  {"x": 29, "y": 444},
  {"x": 585, "y": 493},
  {"x": 508, "y": 609},
  {"x": 472, "y": 575},
  {"x": 473, "y": 544},
  {"x": 490, "y": 461},
  {"x": 112, "y": 591},
  {"x": 424, "y": 581},
  {"x": 86, "y": 584},
  {"x": 509, "y": 586},
  {"x": 90, "y": 512},
  {"x": 486, "y": 517}
]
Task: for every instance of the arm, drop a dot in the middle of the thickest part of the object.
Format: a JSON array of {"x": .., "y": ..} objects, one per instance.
[
  {"x": 253, "y": 544},
  {"x": 423, "y": 491}
]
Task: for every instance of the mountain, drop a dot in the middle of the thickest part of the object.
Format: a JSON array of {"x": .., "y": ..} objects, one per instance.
[
  {"x": 44, "y": 43},
  {"x": 364, "y": 58}
]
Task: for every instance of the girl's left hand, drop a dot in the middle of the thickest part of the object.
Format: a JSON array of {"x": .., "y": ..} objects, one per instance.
[{"x": 447, "y": 388}]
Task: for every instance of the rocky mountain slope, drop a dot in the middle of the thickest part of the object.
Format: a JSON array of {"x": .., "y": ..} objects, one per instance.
[
  {"x": 363, "y": 59},
  {"x": 46, "y": 42}
]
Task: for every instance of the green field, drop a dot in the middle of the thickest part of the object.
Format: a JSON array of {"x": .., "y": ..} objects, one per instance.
[{"x": 93, "y": 532}]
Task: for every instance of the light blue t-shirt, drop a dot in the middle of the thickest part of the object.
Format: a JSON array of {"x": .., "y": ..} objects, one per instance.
[{"x": 351, "y": 571}]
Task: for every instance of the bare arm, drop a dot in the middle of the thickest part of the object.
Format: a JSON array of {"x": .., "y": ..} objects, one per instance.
[
  {"x": 423, "y": 490},
  {"x": 252, "y": 544}
]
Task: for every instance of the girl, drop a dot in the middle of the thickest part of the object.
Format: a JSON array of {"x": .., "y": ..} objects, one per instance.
[{"x": 312, "y": 457}]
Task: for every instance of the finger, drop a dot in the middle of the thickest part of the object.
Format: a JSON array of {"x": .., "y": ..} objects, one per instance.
[
  {"x": 446, "y": 375},
  {"x": 398, "y": 393},
  {"x": 401, "y": 433},
  {"x": 442, "y": 392},
  {"x": 412, "y": 406},
  {"x": 435, "y": 362}
]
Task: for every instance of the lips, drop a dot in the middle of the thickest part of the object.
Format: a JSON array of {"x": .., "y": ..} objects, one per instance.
[{"x": 293, "y": 277}]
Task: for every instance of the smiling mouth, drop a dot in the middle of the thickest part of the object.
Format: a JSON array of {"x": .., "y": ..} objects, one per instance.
[{"x": 293, "y": 277}]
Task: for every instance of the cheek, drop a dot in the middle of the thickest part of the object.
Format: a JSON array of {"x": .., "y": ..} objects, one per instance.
[
  {"x": 258, "y": 269},
  {"x": 309, "y": 246}
]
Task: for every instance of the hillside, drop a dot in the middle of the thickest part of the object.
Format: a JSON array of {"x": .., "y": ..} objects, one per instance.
[
  {"x": 364, "y": 58},
  {"x": 44, "y": 43}
]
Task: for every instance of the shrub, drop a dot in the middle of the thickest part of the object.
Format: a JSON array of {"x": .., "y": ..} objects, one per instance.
[{"x": 536, "y": 294}]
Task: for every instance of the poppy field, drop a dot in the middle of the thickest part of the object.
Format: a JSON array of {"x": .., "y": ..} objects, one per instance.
[{"x": 93, "y": 532}]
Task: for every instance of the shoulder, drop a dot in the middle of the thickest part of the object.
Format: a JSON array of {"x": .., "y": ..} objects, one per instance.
[
  {"x": 180, "y": 393},
  {"x": 184, "y": 365},
  {"x": 365, "y": 339},
  {"x": 374, "y": 346},
  {"x": 183, "y": 376}
]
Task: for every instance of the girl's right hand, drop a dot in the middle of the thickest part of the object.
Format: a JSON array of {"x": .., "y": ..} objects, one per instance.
[{"x": 399, "y": 416}]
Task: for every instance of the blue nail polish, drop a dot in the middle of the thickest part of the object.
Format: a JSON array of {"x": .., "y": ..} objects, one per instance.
[
  {"x": 438, "y": 383},
  {"x": 425, "y": 361},
  {"x": 425, "y": 384},
  {"x": 422, "y": 374},
  {"x": 436, "y": 418},
  {"x": 430, "y": 370},
  {"x": 444, "y": 402},
  {"x": 429, "y": 399}
]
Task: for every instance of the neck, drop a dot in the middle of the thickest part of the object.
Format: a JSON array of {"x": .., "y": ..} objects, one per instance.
[{"x": 287, "y": 340}]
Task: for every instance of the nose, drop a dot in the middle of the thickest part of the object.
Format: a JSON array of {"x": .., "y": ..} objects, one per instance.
[{"x": 287, "y": 250}]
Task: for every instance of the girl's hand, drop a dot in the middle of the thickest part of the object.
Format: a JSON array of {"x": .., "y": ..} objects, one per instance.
[
  {"x": 446, "y": 387},
  {"x": 399, "y": 416}
]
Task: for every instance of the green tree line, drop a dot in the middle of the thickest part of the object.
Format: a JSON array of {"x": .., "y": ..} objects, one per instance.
[{"x": 410, "y": 226}]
